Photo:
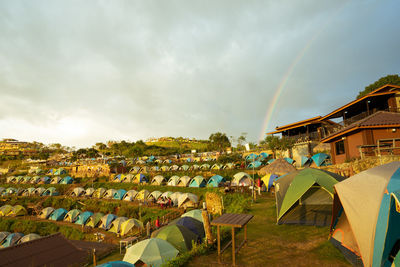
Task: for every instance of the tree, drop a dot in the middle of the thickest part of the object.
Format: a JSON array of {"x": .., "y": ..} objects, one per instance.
[
  {"x": 219, "y": 141},
  {"x": 241, "y": 140},
  {"x": 389, "y": 79},
  {"x": 272, "y": 143}
]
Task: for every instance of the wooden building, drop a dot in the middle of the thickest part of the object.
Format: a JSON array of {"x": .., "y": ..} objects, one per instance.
[{"x": 376, "y": 134}]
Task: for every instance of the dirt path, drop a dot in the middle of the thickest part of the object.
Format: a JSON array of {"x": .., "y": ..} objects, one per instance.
[{"x": 278, "y": 245}]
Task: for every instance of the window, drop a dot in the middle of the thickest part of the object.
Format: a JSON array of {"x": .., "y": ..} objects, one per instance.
[{"x": 339, "y": 147}]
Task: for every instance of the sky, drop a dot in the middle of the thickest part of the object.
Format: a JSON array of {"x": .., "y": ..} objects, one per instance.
[{"x": 81, "y": 72}]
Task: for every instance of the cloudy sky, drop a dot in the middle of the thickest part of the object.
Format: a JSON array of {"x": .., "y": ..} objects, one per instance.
[{"x": 80, "y": 72}]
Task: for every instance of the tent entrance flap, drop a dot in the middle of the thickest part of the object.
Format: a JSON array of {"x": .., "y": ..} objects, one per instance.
[
  {"x": 319, "y": 215},
  {"x": 316, "y": 195}
]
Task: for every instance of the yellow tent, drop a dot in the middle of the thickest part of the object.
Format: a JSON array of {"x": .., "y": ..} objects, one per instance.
[
  {"x": 128, "y": 226},
  {"x": 142, "y": 195}
]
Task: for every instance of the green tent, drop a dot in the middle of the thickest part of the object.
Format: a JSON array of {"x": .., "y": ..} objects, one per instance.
[
  {"x": 116, "y": 224},
  {"x": 5, "y": 210},
  {"x": 18, "y": 210},
  {"x": 178, "y": 236},
  {"x": 128, "y": 225},
  {"x": 94, "y": 220},
  {"x": 72, "y": 215},
  {"x": 154, "y": 195},
  {"x": 99, "y": 192},
  {"x": 46, "y": 212},
  {"x": 195, "y": 214},
  {"x": 305, "y": 197},
  {"x": 153, "y": 252},
  {"x": 28, "y": 237}
]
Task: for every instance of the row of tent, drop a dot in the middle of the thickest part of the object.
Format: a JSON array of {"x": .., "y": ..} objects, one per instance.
[
  {"x": 11, "y": 239},
  {"x": 363, "y": 211},
  {"x": 168, "y": 241},
  {"x": 184, "y": 181},
  {"x": 39, "y": 180},
  {"x": 109, "y": 222},
  {"x": 12, "y": 211},
  {"x": 181, "y": 200},
  {"x": 31, "y": 191},
  {"x": 194, "y": 167}
]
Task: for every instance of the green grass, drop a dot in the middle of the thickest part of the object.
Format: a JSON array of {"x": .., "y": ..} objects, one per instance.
[{"x": 270, "y": 244}]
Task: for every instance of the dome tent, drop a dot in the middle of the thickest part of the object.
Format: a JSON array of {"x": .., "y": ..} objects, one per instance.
[{"x": 305, "y": 197}]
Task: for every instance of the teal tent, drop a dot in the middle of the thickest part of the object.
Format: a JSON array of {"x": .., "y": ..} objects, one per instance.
[
  {"x": 305, "y": 161},
  {"x": 58, "y": 214},
  {"x": 198, "y": 181},
  {"x": 289, "y": 160},
  {"x": 11, "y": 240},
  {"x": 119, "y": 194},
  {"x": 270, "y": 161},
  {"x": 215, "y": 181},
  {"x": 320, "y": 158},
  {"x": 251, "y": 156},
  {"x": 83, "y": 217},
  {"x": 66, "y": 180},
  {"x": 254, "y": 164},
  {"x": 116, "y": 264},
  {"x": 51, "y": 191}
]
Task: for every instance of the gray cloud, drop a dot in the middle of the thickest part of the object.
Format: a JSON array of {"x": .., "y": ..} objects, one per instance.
[{"x": 135, "y": 69}]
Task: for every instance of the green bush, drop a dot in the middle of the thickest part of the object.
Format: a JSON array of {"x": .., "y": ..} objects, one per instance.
[{"x": 237, "y": 203}]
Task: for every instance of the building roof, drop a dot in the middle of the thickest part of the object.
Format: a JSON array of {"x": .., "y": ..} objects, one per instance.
[
  {"x": 298, "y": 124},
  {"x": 52, "y": 250},
  {"x": 384, "y": 90},
  {"x": 380, "y": 119}
]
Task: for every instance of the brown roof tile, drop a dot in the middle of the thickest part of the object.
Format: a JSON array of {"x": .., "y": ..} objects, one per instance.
[
  {"x": 53, "y": 250},
  {"x": 380, "y": 118}
]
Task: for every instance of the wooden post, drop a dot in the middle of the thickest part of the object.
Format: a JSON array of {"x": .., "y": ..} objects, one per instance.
[
  {"x": 207, "y": 226},
  {"x": 233, "y": 247},
  {"x": 219, "y": 243},
  {"x": 94, "y": 257},
  {"x": 245, "y": 235}
]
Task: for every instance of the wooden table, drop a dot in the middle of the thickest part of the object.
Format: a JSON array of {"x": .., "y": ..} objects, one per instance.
[
  {"x": 127, "y": 242},
  {"x": 235, "y": 221}
]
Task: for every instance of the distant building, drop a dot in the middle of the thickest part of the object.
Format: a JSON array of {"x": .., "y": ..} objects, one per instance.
[{"x": 353, "y": 130}]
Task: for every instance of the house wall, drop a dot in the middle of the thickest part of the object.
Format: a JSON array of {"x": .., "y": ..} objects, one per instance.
[{"x": 363, "y": 137}]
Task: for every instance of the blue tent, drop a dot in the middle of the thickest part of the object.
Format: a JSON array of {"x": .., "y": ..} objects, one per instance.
[
  {"x": 198, "y": 181},
  {"x": 119, "y": 194},
  {"x": 319, "y": 159},
  {"x": 263, "y": 155},
  {"x": 305, "y": 161},
  {"x": 193, "y": 225},
  {"x": 289, "y": 160},
  {"x": 11, "y": 240},
  {"x": 269, "y": 180},
  {"x": 117, "y": 178},
  {"x": 254, "y": 164},
  {"x": 106, "y": 221},
  {"x": 270, "y": 161},
  {"x": 215, "y": 181},
  {"x": 83, "y": 217},
  {"x": 367, "y": 207},
  {"x": 251, "y": 156},
  {"x": 142, "y": 178},
  {"x": 66, "y": 180},
  {"x": 58, "y": 214},
  {"x": 45, "y": 180},
  {"x": 116, "y": 264}
]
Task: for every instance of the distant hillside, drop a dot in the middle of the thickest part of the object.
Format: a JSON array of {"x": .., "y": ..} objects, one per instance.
[{"x": 199, "y": 146}]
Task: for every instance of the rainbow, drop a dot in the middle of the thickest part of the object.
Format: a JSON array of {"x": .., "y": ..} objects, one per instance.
[{"x": 278, "y": 92}]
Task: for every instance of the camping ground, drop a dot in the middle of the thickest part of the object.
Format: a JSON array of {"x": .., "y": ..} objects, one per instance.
[{"x": 273, "y": 245}]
